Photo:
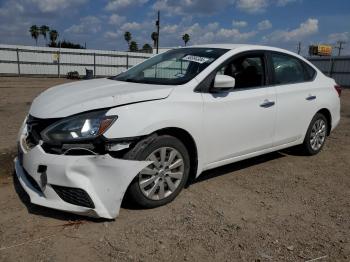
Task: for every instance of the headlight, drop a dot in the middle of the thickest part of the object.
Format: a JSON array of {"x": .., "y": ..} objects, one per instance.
[{"x": 80, "y": 127}]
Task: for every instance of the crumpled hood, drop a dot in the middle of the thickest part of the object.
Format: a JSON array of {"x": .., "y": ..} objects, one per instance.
[{"x": 76, "y": 97}]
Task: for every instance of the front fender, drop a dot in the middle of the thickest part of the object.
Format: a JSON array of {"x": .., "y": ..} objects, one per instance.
[{"x": 143, "y": 119}]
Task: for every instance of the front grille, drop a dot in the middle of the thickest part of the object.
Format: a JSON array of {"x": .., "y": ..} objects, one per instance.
[
  {"x": 75, "y": 196},
  {"x": 32, "y": 181},
  {"x": 34, "y": 127}
]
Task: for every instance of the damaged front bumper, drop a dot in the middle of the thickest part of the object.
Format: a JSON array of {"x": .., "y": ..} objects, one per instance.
[{"x": 91, "y": 185}]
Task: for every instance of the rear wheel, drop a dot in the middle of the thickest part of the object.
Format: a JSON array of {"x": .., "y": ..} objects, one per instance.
[
  {"x": 160, "y": 182},
  {"x": 316, "y": 135}
]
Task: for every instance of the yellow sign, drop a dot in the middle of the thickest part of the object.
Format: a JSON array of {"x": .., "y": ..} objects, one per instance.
[
  {"x": 55, "y": 57},
  {"x": 324, "y": 50}
]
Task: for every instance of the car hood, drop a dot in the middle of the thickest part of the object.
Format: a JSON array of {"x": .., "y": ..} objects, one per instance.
[{"x": 76, "y": 97}]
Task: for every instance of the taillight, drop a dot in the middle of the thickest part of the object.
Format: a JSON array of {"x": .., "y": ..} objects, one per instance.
[{"x": 338, "y": 88}]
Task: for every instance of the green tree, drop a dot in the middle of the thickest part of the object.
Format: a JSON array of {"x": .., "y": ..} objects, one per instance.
[
  {"x": 127, "y": 37},
  {"x": 44, "y": 29},
  {"x": 53, "y": 37},
  {"x": 154, "y": 37},
  {"x": 67, "y": 44},
  {"x": 133, "y": 46},
  {"x": 147, "y": 48},
  {"x": 186, "y": 38},
  {"x": 34, "y": 32}
]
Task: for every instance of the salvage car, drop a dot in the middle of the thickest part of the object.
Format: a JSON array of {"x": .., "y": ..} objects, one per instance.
[{"x": 147, "y": 132}]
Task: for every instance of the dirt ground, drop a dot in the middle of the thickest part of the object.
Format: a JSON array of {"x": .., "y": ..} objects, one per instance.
[{"x": 277, "y": 207}]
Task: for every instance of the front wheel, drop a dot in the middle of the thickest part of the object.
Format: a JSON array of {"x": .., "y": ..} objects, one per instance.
[
  {"x": 160, "y": 182},
  {"x": 316, "y": 135}
]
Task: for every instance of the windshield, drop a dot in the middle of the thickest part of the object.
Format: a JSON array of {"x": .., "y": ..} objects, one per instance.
[{"x": 175, "y": 67}]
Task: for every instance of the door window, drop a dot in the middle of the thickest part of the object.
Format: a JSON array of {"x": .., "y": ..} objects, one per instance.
[
  {"x": 287, "y": 69},
  {"x": 248, "y": 71}
]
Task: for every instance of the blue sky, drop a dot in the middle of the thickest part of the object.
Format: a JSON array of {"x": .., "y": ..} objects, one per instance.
[{"x": 101, "y": 24}]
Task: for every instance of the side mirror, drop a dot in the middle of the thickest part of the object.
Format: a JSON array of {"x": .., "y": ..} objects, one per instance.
[{"x": 224, "y": 82}]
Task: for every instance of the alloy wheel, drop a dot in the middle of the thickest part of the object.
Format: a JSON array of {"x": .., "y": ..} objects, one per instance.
[
  {"x": 318, "y": 134},
  {"x": 161, "y": 178}
]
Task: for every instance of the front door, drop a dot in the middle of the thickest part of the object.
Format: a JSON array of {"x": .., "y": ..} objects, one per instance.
[{"x": 241, "y": 120}]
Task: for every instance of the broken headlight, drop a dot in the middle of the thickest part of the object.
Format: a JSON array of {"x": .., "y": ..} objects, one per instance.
[{"x": 80, "y": 127}]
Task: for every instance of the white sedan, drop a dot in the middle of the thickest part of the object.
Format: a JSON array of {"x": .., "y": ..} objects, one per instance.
[{"x": 147, "y": 132}]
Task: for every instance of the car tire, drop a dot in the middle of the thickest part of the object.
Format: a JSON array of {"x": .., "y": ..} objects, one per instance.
[
  {"x": 167, "y": 175},
  {"x": 316, "y": 135}
]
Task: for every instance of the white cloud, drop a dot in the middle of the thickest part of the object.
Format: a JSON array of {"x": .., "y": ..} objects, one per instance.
[
  {"x": 131, "y": 26},
  {"x": 207, "y": 7},
  {"x": 237, "y": 23},
  {"x": 116, "y": 19},
  {"x": 307, "y": 28},
  {"x": 87, "y": 25},
  {"x": 47, "y": 6},
  {"x": 335, "y": 37},
  {"x": 41, "y": 6},
  {"x": 14, "y": 23},
  {"x": 210, "y": 33},
  {"x": 234, "y": 34},
  {"x": 191, "y": 7},
  {"x": 285, "y": 2},
  {"x": 171, "y": 29},
  {"x": 213, "y": 26},
  {"x": 114, "y": 5},
  {"x": 167, "y": 7},
  {"x": 252, "y": 6},
  {"x": 8, "y": 8},
  {"x": 264, "y": 25},
  {"x": 192, "y": 29},
  {"x": 112, "y": 35}
]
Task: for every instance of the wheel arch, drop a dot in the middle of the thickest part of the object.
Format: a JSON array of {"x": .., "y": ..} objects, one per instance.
[
  {"x": 186, "y": 138},
  {"x": 328, "y": 116}
]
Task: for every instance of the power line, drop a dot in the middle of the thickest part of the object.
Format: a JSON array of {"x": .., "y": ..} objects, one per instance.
[
  {"x": 158, "y": 25},
  {"x": 299, "y": 48},
  {"x": 340, "y": 46}
]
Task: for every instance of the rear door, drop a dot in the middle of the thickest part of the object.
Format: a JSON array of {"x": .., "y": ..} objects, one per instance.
[
  {"x": 295, "y": 96},
  {"x": 240, "y": 121}
]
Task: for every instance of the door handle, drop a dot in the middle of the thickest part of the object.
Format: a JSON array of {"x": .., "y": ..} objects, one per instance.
[
  {"x": 267, "y": 104},
  {"x": 310, "y": 97}
]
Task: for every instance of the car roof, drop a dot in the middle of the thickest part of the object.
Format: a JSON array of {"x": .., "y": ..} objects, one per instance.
[
  {"x": 248, "y": 47},
  {"x": 225, "y": 46},
  {"x": 245, "y": 46}
]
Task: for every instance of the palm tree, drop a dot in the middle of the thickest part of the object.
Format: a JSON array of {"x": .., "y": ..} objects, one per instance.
[
  {"x": 133, "y": 46},
  {"x": 53, "y": 37},
  {"x": 154, "y": 37},
  {"x": 186, "y": 38},
  {"x": 34, "y": 32},
  {"x": 127, "y": 37},
  {"x": 44, "y": 29}
]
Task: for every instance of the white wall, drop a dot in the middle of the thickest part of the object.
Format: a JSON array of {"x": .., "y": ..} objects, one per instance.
[{"x": 41, "y": 60}]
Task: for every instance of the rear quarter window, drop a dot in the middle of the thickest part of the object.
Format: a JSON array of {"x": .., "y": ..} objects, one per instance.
[
  {"x": 310, "y": 72},
  {"x": 289, "y": 70}
]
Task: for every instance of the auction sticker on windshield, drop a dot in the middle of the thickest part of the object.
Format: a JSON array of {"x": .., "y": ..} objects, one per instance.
[{"x": 197, "y": 59}]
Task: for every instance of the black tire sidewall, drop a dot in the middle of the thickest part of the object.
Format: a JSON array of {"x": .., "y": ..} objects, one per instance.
[{"x": 141, "y": 153}]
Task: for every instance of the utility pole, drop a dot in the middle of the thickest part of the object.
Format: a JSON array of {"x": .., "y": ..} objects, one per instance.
[
  {"x": 340, "y": 46},
  {"x": 299, "y": 48},
  {"x": 158, "y": 25}
]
